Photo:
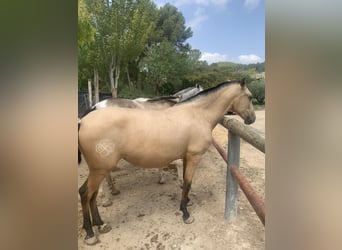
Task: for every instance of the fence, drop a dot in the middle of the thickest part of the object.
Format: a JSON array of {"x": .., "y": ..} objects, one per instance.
[{"x": 234, "y": 177}]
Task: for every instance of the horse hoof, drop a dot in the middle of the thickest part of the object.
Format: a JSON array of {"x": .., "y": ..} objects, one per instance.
[
  {"x": 105, "y": 228},
  {"x": 115, "y": 192},
  {"x": 91, "y": 241},
  {"x": 107, "y": 203},
  {"x": 189, "y": 220},
  {"x": 161, "y": 181}
]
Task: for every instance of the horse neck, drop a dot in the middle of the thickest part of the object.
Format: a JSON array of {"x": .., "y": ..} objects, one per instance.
[{"x": 215, "y": 105}]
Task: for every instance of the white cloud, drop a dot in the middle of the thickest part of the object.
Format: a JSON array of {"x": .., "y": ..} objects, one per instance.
[
  {"x": 159, "y": 3},
  {"x": 251, "y": 4},
  {"x": 199, "y": 7},
  {"x": 213, "y": 57},
  {"x": 198, "y": 19},
  {"x": 246, "y": 59}
]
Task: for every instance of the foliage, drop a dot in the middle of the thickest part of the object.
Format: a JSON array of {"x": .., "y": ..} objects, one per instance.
[
  {"x": 209, "y": 75},
  {"x": 170, "y": 26},
  {"x": 257, "y": 87},
  {"x": 129, "y": 93},
  {"x": 164, "y": 67},
  {"x": 86, "y": 30},
  {"x": 123, "y": 28},
  {"x": 143, "y": 49}
]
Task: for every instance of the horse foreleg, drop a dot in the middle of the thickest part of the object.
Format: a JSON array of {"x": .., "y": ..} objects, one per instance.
[{"x": 190, "y": 164}]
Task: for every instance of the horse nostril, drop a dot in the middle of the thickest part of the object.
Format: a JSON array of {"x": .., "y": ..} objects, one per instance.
[{"x": 249, "y": 120}]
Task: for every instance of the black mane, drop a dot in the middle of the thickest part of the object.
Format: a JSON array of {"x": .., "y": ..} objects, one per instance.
[{"x": 210, "y": 90}]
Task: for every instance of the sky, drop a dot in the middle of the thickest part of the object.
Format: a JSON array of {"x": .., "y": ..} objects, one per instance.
[{"x": 225, "y": 30}]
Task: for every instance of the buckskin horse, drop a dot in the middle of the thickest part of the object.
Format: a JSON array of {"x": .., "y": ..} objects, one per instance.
[
  {"x": 152, "y": 139},
  {"x": 158, "y": 103}
]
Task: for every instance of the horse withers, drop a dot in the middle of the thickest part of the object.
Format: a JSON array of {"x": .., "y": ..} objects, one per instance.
[{"x": 154, "y": 138}]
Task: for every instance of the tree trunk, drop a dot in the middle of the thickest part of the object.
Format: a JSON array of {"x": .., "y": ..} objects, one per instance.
[
  {"x": 130, "y": 84},
  {"x": 114, "y": 93},
  {"x": 96, "y": 85},
  {"x": 90, "y": 98},
  {"x": 114, "y": 74},
  {"x": 116, "y": 79},
  {"x": 157, "y": 87},
  {"x": 111, "y": 79}
]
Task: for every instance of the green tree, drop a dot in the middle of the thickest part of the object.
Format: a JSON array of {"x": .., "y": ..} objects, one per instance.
[
  {"x": 86, "y": 30},
  {"x": 257, "y": 88},
  {"x": 123, "y": 33},
  {"x": 171, "y": 27},
  {"x": 164, "y": 66},
  {"x": 123, "y": 28}
]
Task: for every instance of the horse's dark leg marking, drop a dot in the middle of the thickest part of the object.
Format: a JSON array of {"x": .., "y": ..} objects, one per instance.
[
  {"x": 85, "y": 208},
  {"x": 190, "y": 164},
  {"x": 88, "y": 193},
  {"x": 97, "y": 221},
  {"x": 185, "y": 200}
]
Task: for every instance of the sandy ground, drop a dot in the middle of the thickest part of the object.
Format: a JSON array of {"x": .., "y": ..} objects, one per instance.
[{"x": 145, "y": 215}]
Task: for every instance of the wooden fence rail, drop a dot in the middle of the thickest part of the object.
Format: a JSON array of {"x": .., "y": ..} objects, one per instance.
[
  {"x": 234, "y": 177},
  {"x": 248, "y": 133}
]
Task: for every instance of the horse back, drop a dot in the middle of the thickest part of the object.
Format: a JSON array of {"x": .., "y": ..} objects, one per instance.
[{"x": 147, "y": 138}]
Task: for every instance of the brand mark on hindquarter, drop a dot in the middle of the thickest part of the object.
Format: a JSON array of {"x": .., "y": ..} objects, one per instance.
[{"x": 104, "y": 148}]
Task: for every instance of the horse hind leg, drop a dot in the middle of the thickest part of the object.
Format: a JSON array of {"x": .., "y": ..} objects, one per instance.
[
  {"x": 90, "y": 238},
  {"x": 175, "y": 164},
  {"x": 97, "y": 221},
  {"x": 88, "y": 193}
]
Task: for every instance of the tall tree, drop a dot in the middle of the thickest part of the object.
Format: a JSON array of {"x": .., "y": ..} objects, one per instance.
[
  {"x": 124, "y": 27},
  {"x": 86, "y": 30},
  {"x": 164, "y": 66},
  {"x": 171, "y": 27}
]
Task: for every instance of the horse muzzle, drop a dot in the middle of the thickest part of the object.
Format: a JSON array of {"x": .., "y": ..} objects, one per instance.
[{"x": 249, "y": 119}]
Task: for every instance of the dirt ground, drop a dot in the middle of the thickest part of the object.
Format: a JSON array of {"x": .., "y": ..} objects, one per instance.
[{"x": 145, "y": 215}]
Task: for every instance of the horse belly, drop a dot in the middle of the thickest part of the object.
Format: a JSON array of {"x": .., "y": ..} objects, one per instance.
[
  {"x": 153, "y": 155},
  {"x": 153, "y": 162}
]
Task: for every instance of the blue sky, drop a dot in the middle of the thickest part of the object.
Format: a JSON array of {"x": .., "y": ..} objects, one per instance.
[{"x": 225, "y": 30}]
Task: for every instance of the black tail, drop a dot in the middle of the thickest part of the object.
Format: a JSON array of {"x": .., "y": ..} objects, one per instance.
[
  {"x": 91, "y": 109},
  {"x": 79, "y": 152}
]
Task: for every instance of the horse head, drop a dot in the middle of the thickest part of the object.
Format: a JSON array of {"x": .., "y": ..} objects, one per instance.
[{"x": 242, "y": 104}]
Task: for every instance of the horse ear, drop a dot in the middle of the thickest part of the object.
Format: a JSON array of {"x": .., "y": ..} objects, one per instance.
[
  {"x": 243, "y": 83},
  {"x": 197, "y": 86}
]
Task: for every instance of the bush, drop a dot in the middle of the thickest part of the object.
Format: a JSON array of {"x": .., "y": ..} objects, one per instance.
[
  {"x": 126, "y": 92},
  {"x": 257, "y": 87}
]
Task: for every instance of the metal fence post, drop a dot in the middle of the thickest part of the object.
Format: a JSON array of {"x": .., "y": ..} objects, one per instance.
[{"x": 231, "y": 183}]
